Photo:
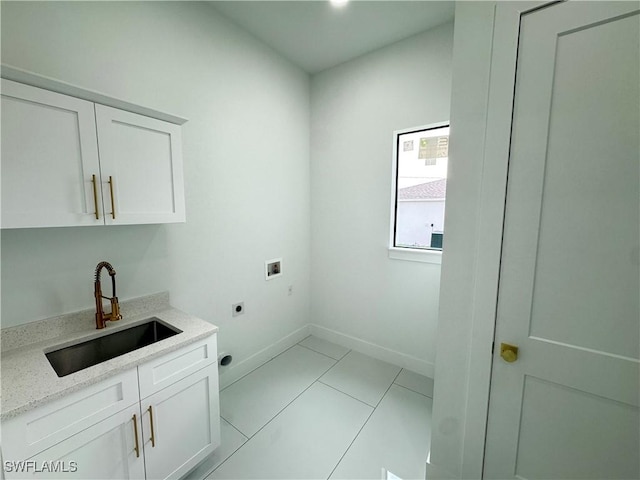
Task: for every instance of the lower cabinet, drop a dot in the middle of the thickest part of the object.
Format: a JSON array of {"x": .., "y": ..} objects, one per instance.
[
  {"x": 105, "y": 450},
  {"x": 178, "y": 425},
  {"x": 158, "y": 436}
]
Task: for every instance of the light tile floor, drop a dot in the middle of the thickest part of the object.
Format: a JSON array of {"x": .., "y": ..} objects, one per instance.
[{"x": 320, "y": 411}]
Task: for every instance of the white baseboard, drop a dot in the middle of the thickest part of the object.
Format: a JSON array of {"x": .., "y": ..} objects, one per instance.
[
  {"x": 376, "y": 351},
  {"x": 230, "y": 374}
]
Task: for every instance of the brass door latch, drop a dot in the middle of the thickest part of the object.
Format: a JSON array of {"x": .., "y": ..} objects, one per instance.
[{"x": 509, "y": 353}]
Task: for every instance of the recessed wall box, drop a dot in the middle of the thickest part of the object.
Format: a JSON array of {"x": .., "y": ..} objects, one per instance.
[{"x": 272, "y": 268}]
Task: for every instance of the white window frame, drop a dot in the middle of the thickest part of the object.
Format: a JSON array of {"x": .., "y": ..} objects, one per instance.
[{"x": 407, "y": 253}]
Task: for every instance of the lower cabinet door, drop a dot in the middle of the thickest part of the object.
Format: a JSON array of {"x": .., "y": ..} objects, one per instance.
[
  {"x": 106, "y": 450},
  {"x": 181, "y": 424}
]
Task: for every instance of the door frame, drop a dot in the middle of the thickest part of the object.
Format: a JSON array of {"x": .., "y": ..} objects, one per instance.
[
  {"x": 472, "y": 364},
  {"x": 493, "y": 197}
]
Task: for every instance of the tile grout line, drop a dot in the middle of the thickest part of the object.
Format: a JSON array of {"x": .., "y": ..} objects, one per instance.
[
  {"x": 352, "y": 442},
  {"x": 259, "y": 366},
  {"x": 412, "y": 390},
  {"x": 345, "y": 393},
  {"x": 248, "y": 437},
  {"x": 272, "y": 418},
  {"x": 214, "y": 469},
  {"x": 293, "y": 400},
  {"x": 336, "y": 361},
  {"x": 321, "y": 353},
  {"x": 389, "y": 388},
  {"x": 284, "y": 351},
  {"x": 364, "y": 424},
  {"x": 349, "y": 350},
  {"x": 235, "y": 428}
]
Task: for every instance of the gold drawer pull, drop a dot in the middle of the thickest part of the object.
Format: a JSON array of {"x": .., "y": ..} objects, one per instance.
[
  {"x": 135, "y": 434},
  {"x": 113, "y": 206},
  {"x": 95, "y": 195},
  {"x": 153, "y": 437}
]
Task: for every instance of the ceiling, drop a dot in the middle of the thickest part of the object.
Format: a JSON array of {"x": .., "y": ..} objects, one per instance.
[{"x": 315, "y": 35}]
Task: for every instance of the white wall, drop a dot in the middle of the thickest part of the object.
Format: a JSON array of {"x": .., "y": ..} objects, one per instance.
[
  {"x": 357, "y": 290},
  {"x": 246, "y": 155},
  {"x": 247, "y": 200}
]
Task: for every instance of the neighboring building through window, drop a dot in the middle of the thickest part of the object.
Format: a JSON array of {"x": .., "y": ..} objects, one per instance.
[{"x": 421, "y": 155}]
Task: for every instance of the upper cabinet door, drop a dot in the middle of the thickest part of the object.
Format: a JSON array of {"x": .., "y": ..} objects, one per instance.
[
  {"x": 141, "y": 162},
  {"x": 49, "y": 157}
]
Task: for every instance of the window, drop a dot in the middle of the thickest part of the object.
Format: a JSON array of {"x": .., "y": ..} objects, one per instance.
[{"x": 420, "y": 157}]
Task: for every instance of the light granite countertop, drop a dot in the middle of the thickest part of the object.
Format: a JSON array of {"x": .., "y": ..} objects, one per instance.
[{"x": 28, "y": 380}]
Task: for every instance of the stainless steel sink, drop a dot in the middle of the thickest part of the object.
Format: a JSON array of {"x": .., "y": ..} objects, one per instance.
[{"x": 77, "y": 357}]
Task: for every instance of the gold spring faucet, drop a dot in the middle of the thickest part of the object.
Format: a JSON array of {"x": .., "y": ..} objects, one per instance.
[{"x": 101, "y": 316}]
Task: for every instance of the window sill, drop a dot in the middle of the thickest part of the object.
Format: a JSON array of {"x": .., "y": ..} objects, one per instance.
[{"x": 415, "y": 255}]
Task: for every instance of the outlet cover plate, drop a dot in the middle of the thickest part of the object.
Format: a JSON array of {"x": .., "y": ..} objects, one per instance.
[{"x": 237, "y": 309}]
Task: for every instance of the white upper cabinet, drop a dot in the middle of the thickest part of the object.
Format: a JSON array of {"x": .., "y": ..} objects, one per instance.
[
  {"x": 141, "y": 164},
  {"x": 70, "y": 162},
  {"x": 49, "y": 157}
]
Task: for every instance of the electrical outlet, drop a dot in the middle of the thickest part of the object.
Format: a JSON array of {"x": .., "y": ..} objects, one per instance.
[{"x": 237, "y": 309}]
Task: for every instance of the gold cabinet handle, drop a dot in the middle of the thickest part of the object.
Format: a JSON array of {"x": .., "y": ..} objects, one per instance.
[
  {"x": 153, "y": 437},
  {"x": 113, "y": 206},
  {"x": 95, "y": 195},
  {"x": 509, "y": 353},
  {"x": 135, "y": 434}
]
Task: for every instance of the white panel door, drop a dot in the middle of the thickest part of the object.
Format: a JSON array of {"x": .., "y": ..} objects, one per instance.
[
  {"x": 49, "y": 157},
  {"x": 142, "y": 157},
  {"x": 569, "y": 284},
  {"x": 107, "y": 450},
  {"x": 184, "y": 421}
]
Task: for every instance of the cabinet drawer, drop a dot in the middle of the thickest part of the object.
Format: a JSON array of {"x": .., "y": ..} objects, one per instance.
[
  {"x": 39, "y": 429},
  {"x": 162, "y": 372}
]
